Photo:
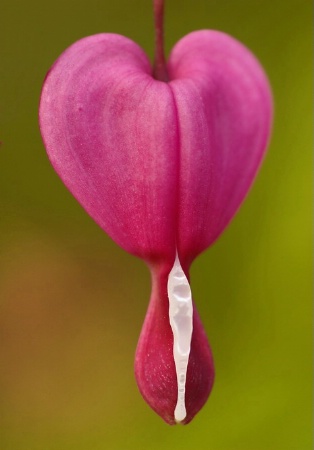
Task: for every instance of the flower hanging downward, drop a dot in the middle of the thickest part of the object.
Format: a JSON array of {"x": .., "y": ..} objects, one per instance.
[{"x": 162, "y": 167}]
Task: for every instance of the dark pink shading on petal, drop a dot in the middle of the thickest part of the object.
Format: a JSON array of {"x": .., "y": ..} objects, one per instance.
[{"x": 154, "y": 364}]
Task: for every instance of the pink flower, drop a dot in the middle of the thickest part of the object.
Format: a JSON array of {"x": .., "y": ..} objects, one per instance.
[{"x": 162, "y": 167}]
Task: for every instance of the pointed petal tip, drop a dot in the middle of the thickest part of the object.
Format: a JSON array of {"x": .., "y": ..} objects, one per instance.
[{"x": 158, "y": 386}]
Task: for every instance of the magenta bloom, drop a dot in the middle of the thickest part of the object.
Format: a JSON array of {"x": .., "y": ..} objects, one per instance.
[{"x": 162, "y": 167}]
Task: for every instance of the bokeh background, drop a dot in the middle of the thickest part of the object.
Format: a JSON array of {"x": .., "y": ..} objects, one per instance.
[{"x": 72, "y": 302}]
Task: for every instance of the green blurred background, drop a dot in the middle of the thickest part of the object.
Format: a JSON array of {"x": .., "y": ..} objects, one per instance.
[{"x": 72, "y": 302}]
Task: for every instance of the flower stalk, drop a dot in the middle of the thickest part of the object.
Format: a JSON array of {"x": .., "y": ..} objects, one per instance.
[{"x": 160, "y": 66}]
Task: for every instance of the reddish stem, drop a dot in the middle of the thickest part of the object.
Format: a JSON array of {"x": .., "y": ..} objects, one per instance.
[{"x": 160, "y": 69}]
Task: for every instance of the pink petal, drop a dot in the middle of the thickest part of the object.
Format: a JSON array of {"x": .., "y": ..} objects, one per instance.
[
  {"x": 224, "y": 111},
  {"x": 110, "y": 132}
]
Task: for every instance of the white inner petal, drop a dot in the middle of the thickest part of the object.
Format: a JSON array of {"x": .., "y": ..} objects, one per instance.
[{"x": 181, "y": 322}]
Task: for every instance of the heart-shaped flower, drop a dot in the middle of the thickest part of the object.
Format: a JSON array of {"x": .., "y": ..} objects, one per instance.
[{"x": 162, "y": 167}]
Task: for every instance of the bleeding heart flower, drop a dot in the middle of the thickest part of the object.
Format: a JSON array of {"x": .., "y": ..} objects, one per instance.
[{"x": 162, "y": 167}]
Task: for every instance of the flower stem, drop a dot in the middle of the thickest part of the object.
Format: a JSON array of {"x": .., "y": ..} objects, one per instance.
[{"x": 160, "y": 69}]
